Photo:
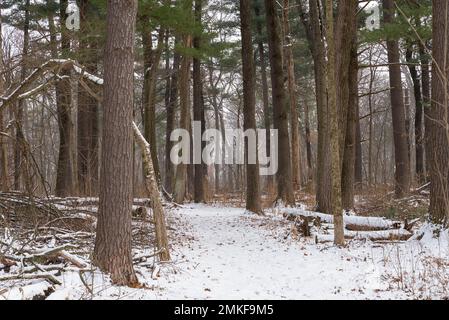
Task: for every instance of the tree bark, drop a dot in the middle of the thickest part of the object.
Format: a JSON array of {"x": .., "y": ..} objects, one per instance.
[
  {"x": 280, "y": 110},
  {"x": 249, "y": 106},
  {"x": 314, "y": 35},
  {"x": 171, "y": 109},
  {"x": 198, "y": 111},
  {"x": 419, "y": 112},
  {"x": 347, "y": 92},
  {"x": 155, "y": 197},
  {"x": 19, "y": 156},
  {"x": 334, "y": 127},
  {"x": 323, "y": 187},
  {"x": 263, "y": 72},
  {"x": 358, "y": 175},
  {"x": 3, "y": 146},
  {"x": 437, "y": 125},
  {"x": 64, "y": 171},
  {"x": 88, "y": 108},
  {"x": 184, "y": 102},
  {"x": 308, "y": 140},
  {"x": 402, "y": 160},
  {"x": 291, "y": 85},
  {"x": 425, "y": 82},
  {"x": 349, "y": 157},
  {"x": 213, "y": 87},
  {"x": 151, "y": 64},
  {"x": 113, "y": 241}
]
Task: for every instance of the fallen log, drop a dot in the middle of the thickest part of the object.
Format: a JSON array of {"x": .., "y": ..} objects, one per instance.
[
  {"x": 353, "y": 223},
  {"x": 383, "y": 235},
  {"x": 155, "y": 196}
]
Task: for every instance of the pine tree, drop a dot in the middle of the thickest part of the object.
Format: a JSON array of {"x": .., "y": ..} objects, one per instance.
[
  {"x": 249, "y": 106},
  {"x": 113, "y": 240},
  {"x": 437, "y": 124},
  {"x": 280, "y": 110}
]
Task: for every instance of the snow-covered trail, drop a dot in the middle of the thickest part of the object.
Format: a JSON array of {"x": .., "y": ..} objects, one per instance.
[
  {"x": 224, "y": 253},
  {"x": 234, "y": 257}
]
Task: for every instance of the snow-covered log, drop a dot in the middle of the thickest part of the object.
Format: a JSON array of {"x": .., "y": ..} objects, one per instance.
[
  {"x": 35, "y": 291},
  {"x": 354, "y": 223},
  {"x": 31, "y": 276},
  {"x": 59, "y": 252},
  {"x": 383, "y": 235}
]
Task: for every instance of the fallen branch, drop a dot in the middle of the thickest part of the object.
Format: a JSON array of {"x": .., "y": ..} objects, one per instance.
[
  {"x": 31, "y": 276},
  {"x": 140, "y": 257},
  {"x": 58, "y": 252},
  {"x": 155, "y": 196}
]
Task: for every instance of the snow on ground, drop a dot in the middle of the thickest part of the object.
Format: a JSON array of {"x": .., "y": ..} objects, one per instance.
[{"x": 230, "y": 254}]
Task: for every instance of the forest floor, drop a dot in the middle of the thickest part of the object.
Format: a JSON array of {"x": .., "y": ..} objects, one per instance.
[{"x": 225, "y": 253}]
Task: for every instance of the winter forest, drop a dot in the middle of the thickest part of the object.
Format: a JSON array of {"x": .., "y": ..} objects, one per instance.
[{"x": 224, "y": 149}]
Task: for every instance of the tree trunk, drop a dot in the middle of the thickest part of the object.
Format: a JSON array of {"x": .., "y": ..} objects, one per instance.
[
  {"x": 419, "y": 112},
  {"x": 151, "y": 64},
  {"x": 3, "y": 146},
  {"x": 64, "y": 172},
  {"x": 113, "y": 241},
  {"x": 184, "y": 102},
  {"x": 402, "y": 160},
  {"x": 249, "y": 107},
  {"x": 425, "y": 82},
  {"x": 217, "y": 111},
  {"x": 19, "y": 156},
  {"x": 291, "y": 85},
  {"x": 198, "y": 112},
  {"x": 437, "y": 125},
  {"x": 358, "y": 175},
  {"x": 349, "y": 157},
  {"x": 334, "y": 128},
  {"x": 280, "y": 110},
  {"x": 308, "y": 140},
  {"x": 263, "y": 72},
  {"x": 171, "y": 109},
  {"x": 323, "y": 167},
  {"x": 347, "y": 92},
  {"x": 88, "y": 109}
]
